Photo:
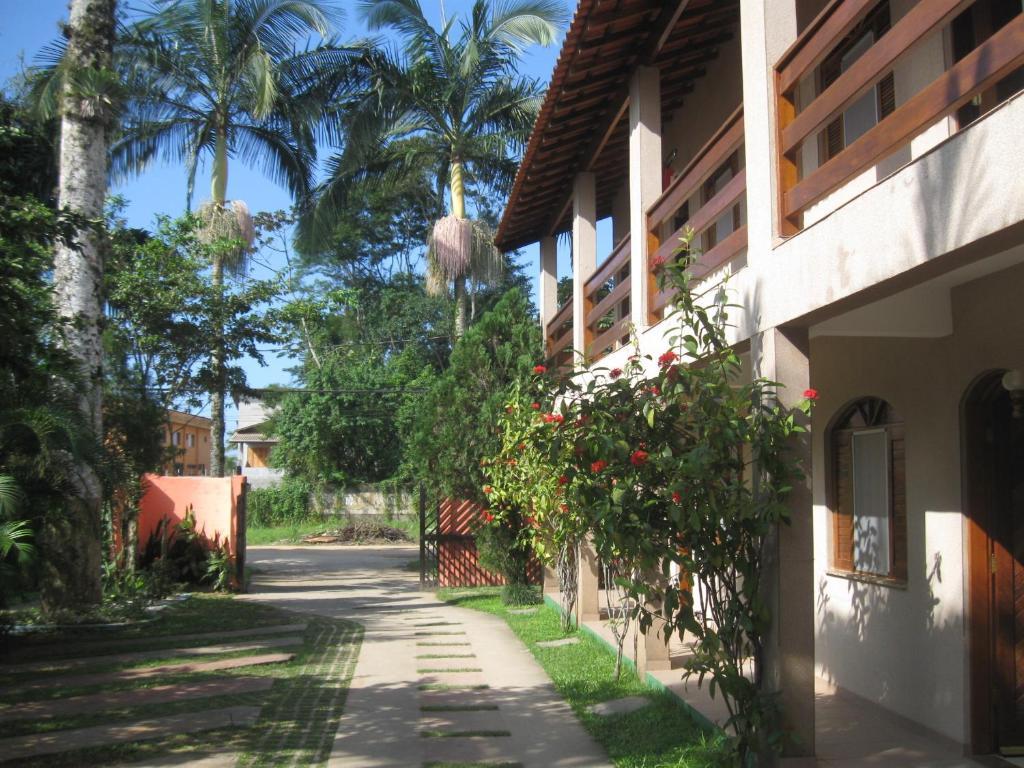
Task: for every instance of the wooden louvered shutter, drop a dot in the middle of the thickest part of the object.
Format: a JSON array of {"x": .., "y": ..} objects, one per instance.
[
  {"x": 842, "y": 512},
  {"x": 886, "y": 96},
  {"x": 898, "y": 510},
  {"x": 832, "y": 140}
]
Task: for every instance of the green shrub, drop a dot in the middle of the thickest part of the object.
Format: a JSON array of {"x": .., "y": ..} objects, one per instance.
[
  {"x": 287, "y": 503},
  {"x": 520, "y": 594}
]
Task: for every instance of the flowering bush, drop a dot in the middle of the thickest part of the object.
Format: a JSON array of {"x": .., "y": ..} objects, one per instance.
[{"x": 686, "y": 470}]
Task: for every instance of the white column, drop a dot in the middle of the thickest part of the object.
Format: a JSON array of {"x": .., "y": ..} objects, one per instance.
[
  {"x": 765, "y": 36},
  {"x": 645, "y": 165},
  {"x": 584, "y": 257},
  {"x": 783, "y": 356},
  {"x": 547, "y": 291}
]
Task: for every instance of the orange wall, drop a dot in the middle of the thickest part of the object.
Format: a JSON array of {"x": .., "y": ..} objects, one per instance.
[{"x": 215, "y": 502}]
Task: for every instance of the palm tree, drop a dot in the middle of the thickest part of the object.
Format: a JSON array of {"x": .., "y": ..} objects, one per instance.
[
  {"x": 223, "y": 79},
  {"x": 447, "y": 102},
  {"x": 84, "y": 132}
]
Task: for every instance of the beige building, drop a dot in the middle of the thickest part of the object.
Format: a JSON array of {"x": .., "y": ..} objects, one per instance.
[
  {"x": 189, "y": 435},
  {"x": 254, "y": 444},
  {"x": 856, "y": 170}
]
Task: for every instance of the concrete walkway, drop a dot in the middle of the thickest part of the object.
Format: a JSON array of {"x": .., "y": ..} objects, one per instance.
[{"x": 402, "y": 711}]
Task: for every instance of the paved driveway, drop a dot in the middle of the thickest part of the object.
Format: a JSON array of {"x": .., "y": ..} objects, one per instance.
[{"x": 434, "y": 683}]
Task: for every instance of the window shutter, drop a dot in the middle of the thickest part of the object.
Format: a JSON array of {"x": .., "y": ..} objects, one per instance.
[
  {"x": 887, "y": 95},
  {"x": 833, "y": 138},
  {"x": 842, "y": 533},
  {"x": 897, "y": 485}
]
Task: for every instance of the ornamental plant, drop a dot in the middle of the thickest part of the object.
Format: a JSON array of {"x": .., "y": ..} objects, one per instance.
[
  {"x": 680, "y": 477},
  {"x": 529, "y": 474}
]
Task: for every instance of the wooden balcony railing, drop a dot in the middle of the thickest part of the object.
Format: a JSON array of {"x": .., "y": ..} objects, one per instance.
[
  {"x": 559, "y": 337},
  {"x": 673, "y": 205},
  {"x": 606, "y": 303},
  {"x": 989, "y": 62}
]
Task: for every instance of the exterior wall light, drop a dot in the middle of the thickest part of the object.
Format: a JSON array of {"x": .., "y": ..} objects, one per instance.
[{"x": 1013, "y": 382}]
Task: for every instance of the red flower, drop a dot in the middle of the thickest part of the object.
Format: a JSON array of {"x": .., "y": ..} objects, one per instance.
[
  {"x": 522, "y": 446},
  {"x": 563, "y": 480},
  {"x": 639, "y": 458},
  {"x": 659, "y": 262},
  {"x": 557, "y": 418},
  {"x": 511, "y": 462},
  {"x": 654, "y": 389},
  {"x": 598, "y": 465},
  {"x": 811, "y": 394},
  {"x": 548, "y": 418},
  {"x": 539, "y": 369},
  {"x": 488, "y": 489},
  {"x": 487, "y": 517},
  {"x": 564, "y": 507},
  {"x": 667, "y": 358},
  {"x": 535, "y": 406},
  {"x": 677, "y": 497},
  {"x": 615, "y": 373}
]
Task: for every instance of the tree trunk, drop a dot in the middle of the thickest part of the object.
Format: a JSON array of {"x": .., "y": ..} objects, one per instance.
[
  {"x": 460, "y": 307},
  {"x": 459, "y": 211},
  {"x": 71, "y": 537},
  {"x": 217, "y": 395},
  {"x": 218, "y": 191}
]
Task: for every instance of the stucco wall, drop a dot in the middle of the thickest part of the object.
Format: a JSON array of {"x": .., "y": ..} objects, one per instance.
[
  {"x": 905, "y": 648},
  {"x": 214, "y": 501}
]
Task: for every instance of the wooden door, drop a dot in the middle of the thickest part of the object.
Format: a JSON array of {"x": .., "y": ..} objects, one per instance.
[
  {"x": 1007, "y": 502},
  {"x": 994, "y": 497}
]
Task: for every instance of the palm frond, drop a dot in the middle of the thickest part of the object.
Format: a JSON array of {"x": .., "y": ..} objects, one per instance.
[
  {"x": 520, "y": 23},
  {"x": 10, "y": 496}
]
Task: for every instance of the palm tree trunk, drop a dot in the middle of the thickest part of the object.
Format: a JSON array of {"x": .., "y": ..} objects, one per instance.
[
  {"x": 218, "y": 190},
  {"x": 459, "y": 211},
  {"x": 71, "y": 538}
]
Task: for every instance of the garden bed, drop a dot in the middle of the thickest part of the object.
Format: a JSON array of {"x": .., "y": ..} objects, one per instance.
[{"x": 306, "y": 661}]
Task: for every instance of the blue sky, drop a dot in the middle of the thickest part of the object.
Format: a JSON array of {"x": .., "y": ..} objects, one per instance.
[{"x": 28, "y": 26}]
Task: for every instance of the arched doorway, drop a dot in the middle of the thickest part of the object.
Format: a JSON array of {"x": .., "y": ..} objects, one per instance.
[{"x": 993, "y": 461}]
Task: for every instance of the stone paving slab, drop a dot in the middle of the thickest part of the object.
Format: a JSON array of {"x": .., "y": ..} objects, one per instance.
[
  {"x": 482, "y": 720},
  {"x": 136, "y": 697},
  {"x": 124, "y": 675},
  {"x": 222, "y": 760},
  {"x": 466, "y": 698},
  {"x": 558, "y": 643},
  {"x": 21, "y": 747},
  {"x": 128, "y": 643},
  {"x": 469, "y": 750},
  {"x": 458, "y": 679},
  {"x": 620, "y": 706},
  {"x": 134, "y": 656}
]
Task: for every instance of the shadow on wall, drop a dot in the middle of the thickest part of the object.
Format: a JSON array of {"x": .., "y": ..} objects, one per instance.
[
  {"x": 215, "y": 502},
  {"x": 888, "y": 645}
]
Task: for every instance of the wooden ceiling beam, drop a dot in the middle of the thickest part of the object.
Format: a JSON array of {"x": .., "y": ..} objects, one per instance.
[{"x": 660, "y": 32}]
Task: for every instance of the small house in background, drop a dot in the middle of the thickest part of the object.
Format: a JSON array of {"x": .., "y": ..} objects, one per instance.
[
  {"x": 254, "y": 444},
  {"x": 189, "y": 435}
]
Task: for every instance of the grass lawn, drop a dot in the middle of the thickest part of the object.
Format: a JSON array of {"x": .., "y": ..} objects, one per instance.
[
  {"x": 661, "y": 735},
  {"x": 292, "y": 533},
  {"x": 299, "y": 712},
  {"x": 282, "y": 534}
]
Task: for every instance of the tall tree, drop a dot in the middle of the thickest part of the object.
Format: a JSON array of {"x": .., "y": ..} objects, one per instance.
[
  {"x": 448, "y": 102},
  {"x": 222, "y": 79},
  {"x": 73, "y": 541}
]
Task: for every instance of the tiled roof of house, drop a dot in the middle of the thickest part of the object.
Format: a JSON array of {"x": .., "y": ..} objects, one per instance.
[
  {"x": 252, "y": 434},
  {"x": 583, "y": 122}
]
